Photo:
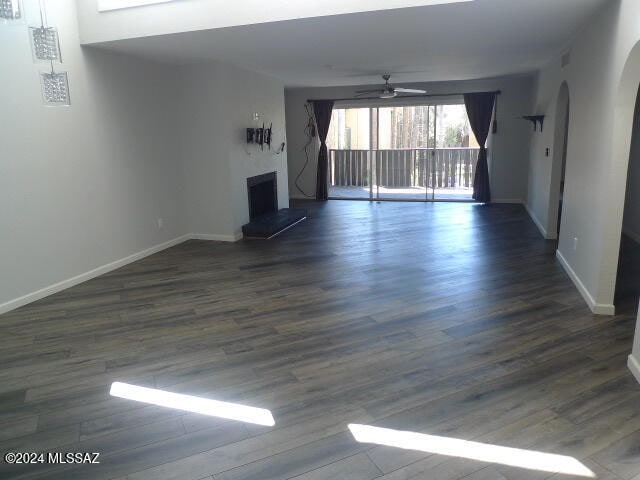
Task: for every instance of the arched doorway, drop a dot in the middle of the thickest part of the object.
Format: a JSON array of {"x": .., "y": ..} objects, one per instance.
[
  {"x": 614, "y": 189},
  {"x": 628, "y": 276},
  {"x": 558, "y": 168},
  {"x": 626, "y": 153}
]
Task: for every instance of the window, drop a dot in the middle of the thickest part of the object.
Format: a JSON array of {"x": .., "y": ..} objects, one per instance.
[{"x": 349, "y": 129}]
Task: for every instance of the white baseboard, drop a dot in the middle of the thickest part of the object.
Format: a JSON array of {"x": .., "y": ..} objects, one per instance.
[
  {"x": 631, "y": 234},
  {"x": 96, "y": 272},
  {"x": 216, "y": 237},
  {"x": 83, "y": 277},
  {"x": 596, "y": 308},
  {"x": 507, "y": 200},
  {"x": 538, "y": 223},
  {"x": 300, "y": 197},
  {"x": 634, "y": 366}
]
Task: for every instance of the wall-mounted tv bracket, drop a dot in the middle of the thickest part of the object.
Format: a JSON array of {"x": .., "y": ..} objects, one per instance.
[
  {"x": 267, "y": 136},
  {"x": 260, "y": 136}
]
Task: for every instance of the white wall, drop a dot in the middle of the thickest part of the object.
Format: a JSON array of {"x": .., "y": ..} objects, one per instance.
[
  {"x": 595, "y": 177},
  {"x": 191, "y": 15},
  {"x": 508, "y": 150},
  {"x": 603, "y": 80},
  {"x": 545, "y": 191},
  {"x": 217, "y": 104},
  {"x": 81, "y": 186}
]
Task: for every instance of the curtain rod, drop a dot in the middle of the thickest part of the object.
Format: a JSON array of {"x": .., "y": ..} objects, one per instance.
[{"x": 497, "y": 92}]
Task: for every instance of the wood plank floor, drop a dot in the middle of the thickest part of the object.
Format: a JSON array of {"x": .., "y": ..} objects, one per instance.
[{"x": 447, "y": 319}]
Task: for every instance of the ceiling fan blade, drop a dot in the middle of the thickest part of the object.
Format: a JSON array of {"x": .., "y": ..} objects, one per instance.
[
  {"x": 377, "y": 90},
  {"x": 409, "y": 90}
]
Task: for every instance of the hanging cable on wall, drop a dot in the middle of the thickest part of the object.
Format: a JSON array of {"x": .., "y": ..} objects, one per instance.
[{"x": 310, "y": 132}]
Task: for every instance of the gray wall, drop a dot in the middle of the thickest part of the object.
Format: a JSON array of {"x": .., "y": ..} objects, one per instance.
[
  {"x": 81, "y": 186},
  {"x": 508, "y": 150},
  {"x": 600, "y": 124},
  {"x": 600, "y": 133},
  {"x": 217, "y": 104}
]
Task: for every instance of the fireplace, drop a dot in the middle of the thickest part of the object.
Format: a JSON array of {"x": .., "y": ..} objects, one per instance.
[
  {"x": 266, "y": 221},
  {"x": 262, "y": 191}
]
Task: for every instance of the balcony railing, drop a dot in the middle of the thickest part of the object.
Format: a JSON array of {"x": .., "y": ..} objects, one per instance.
[{"x": 446, "y": 172}]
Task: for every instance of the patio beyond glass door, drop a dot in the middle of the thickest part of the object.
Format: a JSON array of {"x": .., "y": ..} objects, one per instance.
[
  {"x": 414, "y": 153},
  {"x": 404, "y": 135}
]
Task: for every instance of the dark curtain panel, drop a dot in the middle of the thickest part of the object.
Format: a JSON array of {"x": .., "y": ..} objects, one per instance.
[
  {"x": 322, "y": 111},
  {"x": 480, "y": 109}
]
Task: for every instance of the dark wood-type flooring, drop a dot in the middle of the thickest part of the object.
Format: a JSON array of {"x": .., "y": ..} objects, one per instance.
[{"x": 448, "y": 319}]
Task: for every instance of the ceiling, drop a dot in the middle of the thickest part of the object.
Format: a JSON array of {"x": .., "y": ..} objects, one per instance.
[{"x": 478, "y": 39}]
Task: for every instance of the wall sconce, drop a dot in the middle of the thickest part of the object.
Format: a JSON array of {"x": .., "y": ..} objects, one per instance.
[{"x": 11, "y": 10}]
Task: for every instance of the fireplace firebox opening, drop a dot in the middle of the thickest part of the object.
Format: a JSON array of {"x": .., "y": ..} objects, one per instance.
[{"x": 263, "y": 194}]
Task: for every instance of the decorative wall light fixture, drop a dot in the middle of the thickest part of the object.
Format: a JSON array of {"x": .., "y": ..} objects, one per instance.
[
  {"x": 55, "y": 87},
  {"x": 45, "y": 45},
  {"x": 11, "y": 10}
]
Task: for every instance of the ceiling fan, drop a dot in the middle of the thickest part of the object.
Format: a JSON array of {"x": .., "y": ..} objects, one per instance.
[{"x": 388, "y": 90}]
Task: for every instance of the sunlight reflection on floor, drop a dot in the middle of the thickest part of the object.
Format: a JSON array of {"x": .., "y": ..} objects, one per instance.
[
  {"x": 205, "y": 406},
  {"x": 514, "y": 457}
]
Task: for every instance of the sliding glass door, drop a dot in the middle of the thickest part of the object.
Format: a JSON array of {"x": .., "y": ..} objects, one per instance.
[
  {"x": 405, "y": 140},
  {"x": 416, "y": 152}
]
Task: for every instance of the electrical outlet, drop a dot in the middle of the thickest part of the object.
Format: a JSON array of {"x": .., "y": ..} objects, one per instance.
[
  {"x": 160, "y": 223},
  {"x": 575, "y": 243}
]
